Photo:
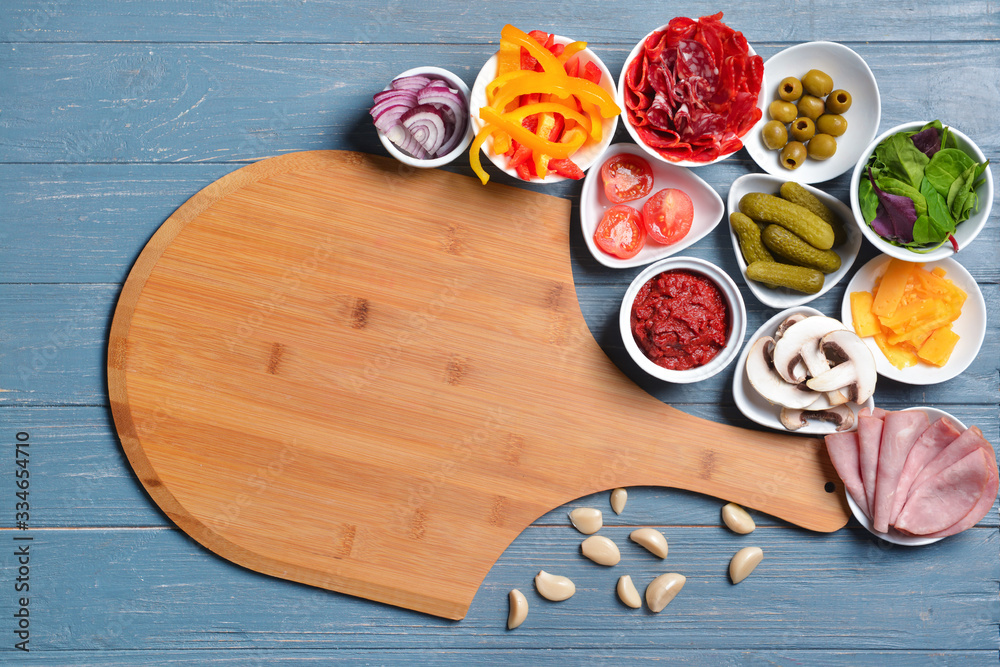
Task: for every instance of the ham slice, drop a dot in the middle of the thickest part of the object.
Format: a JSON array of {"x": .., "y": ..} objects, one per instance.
[
  {"x": 982, "y": 506},
  {"x": 945, "y": 498},
  {"x": 938, "y": 435},
  {"x": 843, "y": 449},
  {"x": 970, "y": 440},
  {"x": 900, "y": 431},
  {"x": 869, "y": 438}
]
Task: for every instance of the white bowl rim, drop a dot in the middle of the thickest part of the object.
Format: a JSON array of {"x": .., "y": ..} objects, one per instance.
[
  {"x": 463, "y": 145},
  {"x": 946, "y": 250},
  {"x": 894, "y": 536},
  {"x": 734, "y": 299},
  {"x": 848, "y": 251},
  {"x": 610, "y": 124},
  {"x": 620, "y": 100}
]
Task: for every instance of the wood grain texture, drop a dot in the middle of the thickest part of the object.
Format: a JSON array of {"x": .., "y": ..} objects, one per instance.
[{"x": 330, "y": 317}]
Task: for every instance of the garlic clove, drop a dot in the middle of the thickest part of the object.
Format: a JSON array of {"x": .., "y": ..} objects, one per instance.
[
  {"x": 744, "y": 562},
  {"x": 586, "y": 519},
  {"x": 553, "y": 586},
  {"x": 601, "y": 550},
  {"x": 627, "y": 592},
  {"x": 662, "y": 590},
  {"x": 518, "y": 609},
  {"x": 618, "y": 499},
  {"x": 651, "y": 539},
  {"x": 738, "y": 519}
]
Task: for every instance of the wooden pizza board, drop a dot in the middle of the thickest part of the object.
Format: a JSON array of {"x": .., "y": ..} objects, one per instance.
[{"x": 338, "y": 370}]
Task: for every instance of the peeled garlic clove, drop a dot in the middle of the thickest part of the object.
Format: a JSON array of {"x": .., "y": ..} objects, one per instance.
[
  {"x": 618, "y": 500},
  {"x": 627, "y": 592},
  {"x": 663, "y": 589},
  {"x": 586, "y": 519},
  {"x": 554, "y": 587},
  {"x": 738, "y": 519},
  {"x": 652, "y": 539},
  {"x": 601, "y": 550},
  {"x": 744, "y": 562},
  {"x": 518, "y": 609}
]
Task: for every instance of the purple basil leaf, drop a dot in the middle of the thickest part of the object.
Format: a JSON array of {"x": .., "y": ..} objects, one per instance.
[
  {"x": 928, "y": 141},
  {"x": 882, "y": 224},
  {"x": 900, "y": 210}
]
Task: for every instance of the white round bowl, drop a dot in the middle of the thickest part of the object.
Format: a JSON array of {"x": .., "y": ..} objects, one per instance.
[
  {"x": 964, "y": 233},
  {"x": 708, "y": 207},
  {"x": 585, "y": 157},
  {"x": 757, "y": 408},
  {"x": 782, "y": 297},
  {"x": 970, "y": 326},
  {"x": 849, "y": 72},
  {"x": 454, "y": 82},
  {"x": 894, "y": 535},
  {"x": 620, "y": 99},
  {"x": 737, "y": 323}
]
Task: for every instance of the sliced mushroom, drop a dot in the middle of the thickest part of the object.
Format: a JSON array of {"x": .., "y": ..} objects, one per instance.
[
  {"x": 841, "y": 415},
  {"x": 769, "y": 384},
  {"x": 800, "y": 346},
  {"x": 787, "y": 322},
  {"x": 856, "y": 374}
]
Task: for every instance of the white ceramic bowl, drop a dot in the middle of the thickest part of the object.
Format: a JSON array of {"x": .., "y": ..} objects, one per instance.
[
  {"x": 894, "y": 535},
  {"x": 457, "y": 84},
  {"x": 754, "y": 406},
  {"x": 586, "y": 156},
  {"x": 782, "y": 297},
  {"x": 970, "y": 326},
  {"x": 964, "y": 233},
  {"x": 761, "y": 103},
  {"x": 708, "y": 207},
  {"x": 737, "y": 324},
  {"x": 849, "y": 72}
]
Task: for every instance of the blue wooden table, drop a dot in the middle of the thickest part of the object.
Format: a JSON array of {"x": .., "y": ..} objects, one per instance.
[{"x": 113, "y": 113}]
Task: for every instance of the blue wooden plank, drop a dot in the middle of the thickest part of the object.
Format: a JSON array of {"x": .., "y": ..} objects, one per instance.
[
  {"x": 214, "y": 103},
  {"x": 154, "y": 589},
  {"x": 389, "y": 21}
]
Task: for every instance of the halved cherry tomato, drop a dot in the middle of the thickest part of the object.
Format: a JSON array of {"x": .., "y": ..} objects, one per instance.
[
  {"x": 626, "y": 177},
  {"x": 620, "y": 233},
  {"x": 668, "y": 215}
]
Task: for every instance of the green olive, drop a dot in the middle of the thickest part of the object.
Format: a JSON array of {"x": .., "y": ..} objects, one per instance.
[
  {"x": 803, "y": 129},
  {"x": 793, "y": 155},
  {"x": 790, "y": 89},
  {"x": 817, "y": 83},
  {"x": 782, "y": 111},
  {"x": 832, "y": 124},
  {"x": 822, "y": 147},
  {"x": 811, "y": 107},
  {"x": 774, "y": 135},
  {"x": 838, "y": 101}
]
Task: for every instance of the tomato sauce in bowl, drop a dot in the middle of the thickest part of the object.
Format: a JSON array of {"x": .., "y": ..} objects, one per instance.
[{"x": 680, "y": 320}]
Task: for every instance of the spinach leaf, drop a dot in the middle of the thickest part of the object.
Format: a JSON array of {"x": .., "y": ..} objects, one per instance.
[
  {"x": 939, "y": 223},
  {"x": 903, "y": 160},
  {"x": 868, "y": 200},
  {"x": 947, "y": 165}
]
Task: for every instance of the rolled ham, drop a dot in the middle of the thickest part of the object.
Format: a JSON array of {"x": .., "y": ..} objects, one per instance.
[
  {"x": 843, "y": 449},
  {"x": 945, "y": 498},
  {"x": 900, "y": 431},
  {"x": 936, "y": 437}
]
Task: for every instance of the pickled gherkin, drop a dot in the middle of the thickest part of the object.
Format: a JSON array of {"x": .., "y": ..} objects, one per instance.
[
  {"x": 748, "y": 233},
  {"x": 796, "y": 219},
  {"x": 797, "y": 194},
  {"x": 798, "y": 278},
  {"x": 783, "y": 243}
]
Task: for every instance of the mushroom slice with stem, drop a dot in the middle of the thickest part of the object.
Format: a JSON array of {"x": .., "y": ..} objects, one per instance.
[
  {"x": 769, "y": 384},
  {"x": 800, "y": 345},
  {"x": 855, "y": 374},
  {"x": 841, "y": 415}
]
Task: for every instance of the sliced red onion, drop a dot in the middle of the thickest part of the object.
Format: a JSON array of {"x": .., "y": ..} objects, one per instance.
[
  {"x": 415, "y": 82},
  {"x": 423, "y": 117}
]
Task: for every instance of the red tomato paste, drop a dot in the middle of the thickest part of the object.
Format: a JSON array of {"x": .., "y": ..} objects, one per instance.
[{"x": 680, "y": 320}]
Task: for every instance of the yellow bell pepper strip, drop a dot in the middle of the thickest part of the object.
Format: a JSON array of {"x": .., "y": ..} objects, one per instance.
[
  {"x": 526, "y": 137},
  {"x": 544, "y": 57},
  {"x": 508, "y": 58},
  {"x": 561, "y": 86},
  {"x": 550, "y": 126},
  {"x": 477, "y": 144},
  {"x": 596, "y": 125},
  {"x": 571, "y": 50},
  {"x": 501, "y": 143},
  {"x": 493, "y": 86},
  {"x": 521, "y": 113}
]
